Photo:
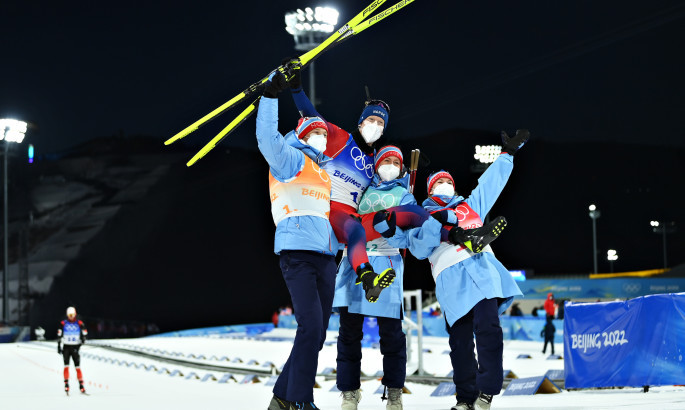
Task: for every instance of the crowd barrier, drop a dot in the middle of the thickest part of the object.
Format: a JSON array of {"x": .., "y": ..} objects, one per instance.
[{"x": 636, "y": 343}]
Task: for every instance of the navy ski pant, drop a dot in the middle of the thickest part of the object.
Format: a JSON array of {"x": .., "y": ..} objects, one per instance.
[
  {"x": 393, "y": 348},
  {"x": 310, "y": 277},
  {"x": 485, "y": 375}
]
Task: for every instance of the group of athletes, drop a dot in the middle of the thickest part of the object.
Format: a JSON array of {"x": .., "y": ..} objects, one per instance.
[{"x": 333, "y": 189}]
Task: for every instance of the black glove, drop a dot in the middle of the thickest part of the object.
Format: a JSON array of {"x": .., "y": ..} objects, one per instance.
[
  {"x": 445, "y": 217},
  {"x": 275, "y": 85},
  {"x": 511, "y": 145},
  {"x": 385, "y": 223},
  {"x": 293, "y": 69},
  {"x": 59, "y": 349}
]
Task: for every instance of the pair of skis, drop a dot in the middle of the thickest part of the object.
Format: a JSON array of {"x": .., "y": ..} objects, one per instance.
[{"x": 356, "y": 25}]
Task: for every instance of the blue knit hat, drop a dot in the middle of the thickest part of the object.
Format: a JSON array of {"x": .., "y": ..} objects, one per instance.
[
  {"x": 387, "y": 151},
  {"x": 375, "y": 109}
]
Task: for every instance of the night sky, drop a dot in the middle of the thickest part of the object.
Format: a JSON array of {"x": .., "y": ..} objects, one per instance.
[
  {"x": 582, "y": 76},
  {"x": 583, "y": 70}
]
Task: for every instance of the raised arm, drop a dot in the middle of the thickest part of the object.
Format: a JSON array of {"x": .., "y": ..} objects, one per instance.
[{"x": 284, "y": 161}]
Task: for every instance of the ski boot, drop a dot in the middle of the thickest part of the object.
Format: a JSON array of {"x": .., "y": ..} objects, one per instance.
[
  {"x": 80, "y": 387},
  {"x": 478, "y": 238},
  {"x": 372, "y": 282},
  {"x": 483, "y": 402},
  {"x": 394, "y": 398},
  {"x": 351, "y": 399},
  {"x": 66, "y": 387},
  {"x": 279, "y": 404}
]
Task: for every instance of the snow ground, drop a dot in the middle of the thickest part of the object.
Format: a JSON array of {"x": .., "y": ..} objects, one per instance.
[{"x": 31, "y": 378}]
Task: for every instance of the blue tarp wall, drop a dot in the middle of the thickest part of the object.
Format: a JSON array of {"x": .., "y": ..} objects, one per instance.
[{"x": 640, "y": 342}]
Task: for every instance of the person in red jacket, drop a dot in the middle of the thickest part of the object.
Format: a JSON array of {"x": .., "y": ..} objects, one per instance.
[
  {"x": 72, "y": 334},
  {"x": 550, "y": 306}
]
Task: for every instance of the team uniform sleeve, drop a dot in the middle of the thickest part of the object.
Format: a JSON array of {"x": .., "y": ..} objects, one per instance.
[
  {"x": 284, "y": 161},
  {"x": 491, "y": 184},
  {"x": 304, "y": 106},
  {"x": 420, "y": 241}
]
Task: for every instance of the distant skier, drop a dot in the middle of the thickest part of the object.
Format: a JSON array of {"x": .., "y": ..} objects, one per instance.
[
  {"x": 72, "y": 334},
  {"x": 473, "y": 289}
]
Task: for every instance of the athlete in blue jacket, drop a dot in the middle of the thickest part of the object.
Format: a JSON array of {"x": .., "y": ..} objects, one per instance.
[
  {"x": 388, "y": 190},
  {"x": 473, "y": 289},
  {"x": 300, "y": 204}
]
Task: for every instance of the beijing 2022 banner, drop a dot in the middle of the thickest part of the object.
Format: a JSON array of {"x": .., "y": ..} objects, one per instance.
[{"x": 639, "y": 342}]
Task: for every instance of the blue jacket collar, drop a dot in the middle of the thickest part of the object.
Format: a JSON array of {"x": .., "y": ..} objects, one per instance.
[{"x": 442, "y": 201}]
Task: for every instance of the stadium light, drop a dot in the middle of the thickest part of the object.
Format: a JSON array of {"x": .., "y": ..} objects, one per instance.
[
  {"x": 487, "y": 154},
  {"x": 12, "y": 131},
  {"x": 594, "y": 214},
  {"x": 611, "y": 257},
  {"x": 310, "y": 27}
]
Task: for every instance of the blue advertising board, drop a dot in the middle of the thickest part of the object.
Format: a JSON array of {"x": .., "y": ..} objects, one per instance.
[
  {"x": 638, "y": 342},
  {"x": 621, "y": 288}
]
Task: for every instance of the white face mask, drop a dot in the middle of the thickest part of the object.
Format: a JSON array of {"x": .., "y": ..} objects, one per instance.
[
  {"x": 317, "y": 141},
  {"x": 444, "y": 189},
  {"x": 371, "y": 132},
  {"x": 388, "y": 172}
]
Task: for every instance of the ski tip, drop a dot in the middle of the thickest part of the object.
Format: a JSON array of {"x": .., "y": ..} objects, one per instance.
[
  {"x": 200, "y": 154},
  {"x": 180, "y": 135}
]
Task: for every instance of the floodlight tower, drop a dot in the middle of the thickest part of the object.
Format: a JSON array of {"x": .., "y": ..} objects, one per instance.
[
  {"x": 594, "y": 214},
  {"x": 310, "y": 28},
  {"x": 12, "y": 131}
]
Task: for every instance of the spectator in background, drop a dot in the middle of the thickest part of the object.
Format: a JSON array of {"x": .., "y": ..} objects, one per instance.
[
  {"x": 548, "y": 333},
  {"x": 515, "y": 310},
  {"x": 550, "y": 306},
  {"x": 560, "y": 309},
  {"x": 534, "y": 312}
]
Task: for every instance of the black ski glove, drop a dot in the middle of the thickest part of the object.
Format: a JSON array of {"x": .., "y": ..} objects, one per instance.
[
  {"x": 511, "y": 145},
  {"x": 275, "y": 85},
  {"x": 445, "y": 216},
  {"x": 293, "y": 68},
  {"x": 385, "y": 223}
]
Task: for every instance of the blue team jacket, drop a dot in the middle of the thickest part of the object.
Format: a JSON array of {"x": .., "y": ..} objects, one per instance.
[
  {"x": 461, "y": 286},
  {"x": 352, "y": 296},
  {"x": 285, "y": 156}
]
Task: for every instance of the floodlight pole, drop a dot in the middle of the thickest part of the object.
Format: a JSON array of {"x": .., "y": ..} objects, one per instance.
[
  {"x": 5, "y": 273},
  {"x": 594, "y": 214}
]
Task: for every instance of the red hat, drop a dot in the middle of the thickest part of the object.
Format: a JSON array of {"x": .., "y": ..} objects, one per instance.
[
  {"x": 388, "y": 151},
  {"x": 432, "y": 178},
  {"x": 306, "y": 124}
]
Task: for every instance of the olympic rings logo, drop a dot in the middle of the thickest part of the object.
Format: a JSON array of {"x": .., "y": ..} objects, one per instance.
[
  {"x": 461, "y": 212},
  {"x": 323, "y": 175},
  {"x": 366, "y": 167},
  {"x": 369, "y": 202}
]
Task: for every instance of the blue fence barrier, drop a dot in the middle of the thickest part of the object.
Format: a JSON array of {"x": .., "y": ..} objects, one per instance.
[
  {"x": 621, "y": 288},
  {"x": 634, "y": 343}
]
